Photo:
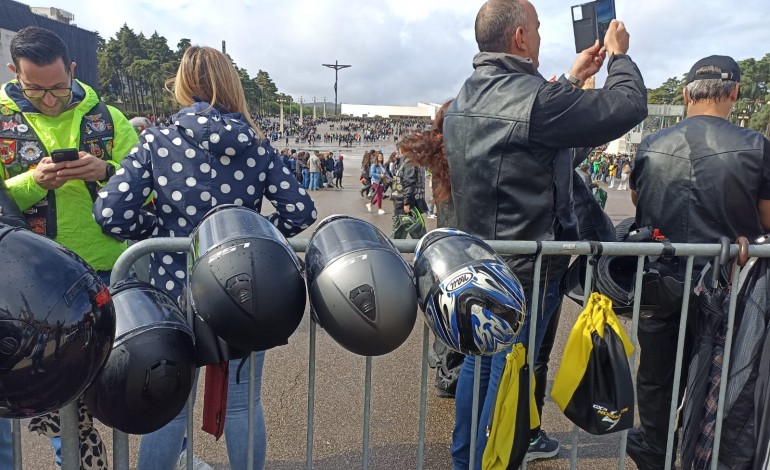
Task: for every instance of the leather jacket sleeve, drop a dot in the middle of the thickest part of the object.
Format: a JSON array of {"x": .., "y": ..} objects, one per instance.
[
  {"x": 564, "y": 116},
  {"x": 409, "y": 184},
  {"x": 9, "y": 211}
]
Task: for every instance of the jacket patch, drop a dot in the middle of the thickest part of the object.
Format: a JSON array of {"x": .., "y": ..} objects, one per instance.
[
  {"x": 7, "y": 151},
  {"x": 31, "y": 152},
  {"x": 95, "y": 123}
]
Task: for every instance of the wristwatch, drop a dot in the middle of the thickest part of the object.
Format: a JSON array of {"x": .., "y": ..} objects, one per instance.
[
  {"x": 108, "y": 173},
  {"x": 576, "y": 82}
]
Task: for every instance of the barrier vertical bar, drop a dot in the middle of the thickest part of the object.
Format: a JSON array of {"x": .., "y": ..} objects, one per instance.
[
  {"x": 575, "y": 435},
  {"x": 475, "y": 410},
  {"x": 678, "y": 367},
  {"x": 725, "y": 367},
  {"x": 634, "y": 338},
  {"x": 252, "y": 400},
  {"x": 423, "y": 397},
  {"x": 533, "y": 326},
  {"x": 70, "y": 441},
  {"x": 367, "y": 410},
  {"x": 16, "y": 439},
  {"x": 311, "y": 398},
  {"x": 119, "y": 450}
]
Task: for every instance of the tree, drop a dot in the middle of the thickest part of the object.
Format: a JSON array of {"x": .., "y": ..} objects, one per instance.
[
  {"x": 182, "y": 46},
  {"x": 670, "y": 92}
]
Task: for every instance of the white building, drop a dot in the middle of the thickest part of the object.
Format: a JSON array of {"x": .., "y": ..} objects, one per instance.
[{"x": 370, "y": 110}]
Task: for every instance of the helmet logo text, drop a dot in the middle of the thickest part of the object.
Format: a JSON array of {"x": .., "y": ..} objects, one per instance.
[{"x": 458, "y": 282}]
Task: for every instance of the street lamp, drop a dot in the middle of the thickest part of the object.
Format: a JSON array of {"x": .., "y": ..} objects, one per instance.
[
  {"x": 281, "y": 101},
  {"x": 337, "y": 67}
]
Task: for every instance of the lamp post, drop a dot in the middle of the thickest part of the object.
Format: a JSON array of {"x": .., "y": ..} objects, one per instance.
[
  {"x": 314, "y": 118},
  {"x": 324, "y": 107},
  {"x": 337, "y": 67},
  {"x": 281, "y": 101},
  {"x": 301, "y": 122}
]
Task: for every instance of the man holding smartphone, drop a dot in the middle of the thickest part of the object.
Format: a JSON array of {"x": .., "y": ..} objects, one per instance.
[
  {"x": 45, "y": 111},
  {"x": 508, "y": 137}
]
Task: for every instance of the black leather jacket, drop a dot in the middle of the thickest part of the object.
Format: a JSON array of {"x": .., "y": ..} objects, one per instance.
[
  {"x": 702, "y": 179},
  {"x": 503, "y": 133},
  {"x": 9, "y": 211}
]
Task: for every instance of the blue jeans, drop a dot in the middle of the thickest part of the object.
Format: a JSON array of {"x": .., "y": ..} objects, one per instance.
[
  {"x": 6, "y": 444},
  {"x": 305, "y": 178},
  {"x": 491, "y": 373},
  {"x": 315, "y": 180},
  {"x": 160, "y": 450}
]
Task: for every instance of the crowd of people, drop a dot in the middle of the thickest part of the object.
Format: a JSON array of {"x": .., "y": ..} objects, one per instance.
[{"x": 214, "y": 152}]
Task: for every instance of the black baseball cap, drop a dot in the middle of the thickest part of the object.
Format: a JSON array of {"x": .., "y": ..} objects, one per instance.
[{"x": 729, "y": 69}]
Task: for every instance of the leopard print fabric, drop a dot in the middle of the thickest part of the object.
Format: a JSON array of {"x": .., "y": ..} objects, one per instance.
[{"x": 92, "y": 455}]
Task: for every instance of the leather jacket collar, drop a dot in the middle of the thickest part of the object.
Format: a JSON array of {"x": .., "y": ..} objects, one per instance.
[{"x": 508, "y": 62}]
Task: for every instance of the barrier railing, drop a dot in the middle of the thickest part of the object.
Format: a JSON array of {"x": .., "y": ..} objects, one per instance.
[{"x": 120, "y": 451}]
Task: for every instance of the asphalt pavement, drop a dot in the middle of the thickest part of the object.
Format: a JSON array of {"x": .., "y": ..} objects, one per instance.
[{"x": 339, "y": 393}]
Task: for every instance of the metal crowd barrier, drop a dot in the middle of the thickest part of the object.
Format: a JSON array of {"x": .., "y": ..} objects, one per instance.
[{"x": 120, "y": 452}]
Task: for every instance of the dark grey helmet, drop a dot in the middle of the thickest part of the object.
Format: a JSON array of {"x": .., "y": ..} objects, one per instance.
[
  {"x": 246, "y": 283},
  {"x": 362, "y": 292},
  {"x": 151, "y": 369}
]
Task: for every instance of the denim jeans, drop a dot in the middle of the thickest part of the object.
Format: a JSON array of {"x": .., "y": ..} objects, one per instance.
[
  {"x": 6, "y": 444},
  {"x": 160, "y": 450},
  {"x": 305, "y": 178},
  {"x": 315, "y": 180},
  {"x": 491, "y": 373}
]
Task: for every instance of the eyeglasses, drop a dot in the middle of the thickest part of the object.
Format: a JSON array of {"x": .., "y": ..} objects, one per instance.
[{"x": 57, "y": 92}]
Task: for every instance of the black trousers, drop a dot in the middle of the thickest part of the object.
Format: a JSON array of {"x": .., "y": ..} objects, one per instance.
[{"x": 541, "y": 364}]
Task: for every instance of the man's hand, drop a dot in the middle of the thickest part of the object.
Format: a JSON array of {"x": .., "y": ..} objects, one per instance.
[
  {"x": 588, "y": 62},
  {"x": 407, "y": 209},
  {"x": 45, "y": 174},
  {"x": 616, "y": 39},
  {"x": 86, "y": 168}
]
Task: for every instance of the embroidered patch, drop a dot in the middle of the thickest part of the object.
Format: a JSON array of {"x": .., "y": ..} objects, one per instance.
[
  {"x": 5, "y": 110},
  {"x": 7, "y": 151},
  {"x": 30, "y": 152},
  {"x": 95, "y": 123}
]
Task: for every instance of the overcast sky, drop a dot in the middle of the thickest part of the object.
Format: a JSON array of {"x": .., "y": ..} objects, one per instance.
[{"x": 405, "y": 51}]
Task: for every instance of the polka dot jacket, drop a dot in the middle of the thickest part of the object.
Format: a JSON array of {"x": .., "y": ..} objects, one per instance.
[{"x": 205, "y": 159}]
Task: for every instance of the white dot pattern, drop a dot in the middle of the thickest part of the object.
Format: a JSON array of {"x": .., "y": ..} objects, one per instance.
[{"x": 209, "y": 159}]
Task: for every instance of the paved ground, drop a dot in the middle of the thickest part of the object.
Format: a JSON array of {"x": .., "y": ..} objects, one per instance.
[{"x": 340, "y": 387}]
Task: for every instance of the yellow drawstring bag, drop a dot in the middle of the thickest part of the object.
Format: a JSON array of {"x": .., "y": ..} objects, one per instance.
[
  {"x": 509, "y": 429},
  {"x": 593, "y": 386}
]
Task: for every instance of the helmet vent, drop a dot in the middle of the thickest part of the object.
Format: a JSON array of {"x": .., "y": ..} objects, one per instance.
[
  {"x": 363, "y": 298},
  {"x": 239, "y": 288}
]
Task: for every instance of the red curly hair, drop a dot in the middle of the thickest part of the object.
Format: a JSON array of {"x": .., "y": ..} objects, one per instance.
[{"x": 426, "y": 149}]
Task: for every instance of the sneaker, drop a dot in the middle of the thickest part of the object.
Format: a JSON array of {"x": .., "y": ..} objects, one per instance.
[
  {"x": 542, "y": 448},
  {"x": 369, "y": 206},
  {"x": 198, "y": 464},
  {"x": 380, "y": 212},
  {"x": 431, "y": 216}
]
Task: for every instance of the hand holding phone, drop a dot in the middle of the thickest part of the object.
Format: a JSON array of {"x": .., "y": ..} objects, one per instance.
[{"x": 64, "y": 155}]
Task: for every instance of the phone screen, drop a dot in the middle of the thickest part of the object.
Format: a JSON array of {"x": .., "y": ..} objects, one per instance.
[{"x": 605, "y": 13}]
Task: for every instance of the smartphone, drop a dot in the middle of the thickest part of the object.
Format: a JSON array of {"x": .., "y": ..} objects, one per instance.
[
  {"x": 64, "y": 155},
  {"x": 590, "y": 22},
  {"x": 605, "y": 13}
]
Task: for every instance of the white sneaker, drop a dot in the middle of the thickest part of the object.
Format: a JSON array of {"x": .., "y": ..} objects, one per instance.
[
  {"x": 431, "y": 216},
  {"x": 369, "y": 206},
  {"x": 198, "y": 464},
  {"x": 380, "y": 212}
]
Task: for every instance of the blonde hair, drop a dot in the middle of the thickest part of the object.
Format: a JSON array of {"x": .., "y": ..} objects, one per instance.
[{"x": 206, "y": 74}]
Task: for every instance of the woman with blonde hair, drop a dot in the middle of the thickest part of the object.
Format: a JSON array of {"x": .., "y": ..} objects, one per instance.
[{"x": 212, "y": 154}]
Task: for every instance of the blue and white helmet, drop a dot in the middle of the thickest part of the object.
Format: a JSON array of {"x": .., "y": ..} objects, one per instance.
[{"x": 471, "y": 299}]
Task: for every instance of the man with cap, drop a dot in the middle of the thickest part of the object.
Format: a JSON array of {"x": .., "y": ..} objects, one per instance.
[{"x": 697, "y": 181}]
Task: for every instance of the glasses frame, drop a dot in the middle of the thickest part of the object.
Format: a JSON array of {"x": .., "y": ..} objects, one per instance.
[{"x": 45, "y": 90}]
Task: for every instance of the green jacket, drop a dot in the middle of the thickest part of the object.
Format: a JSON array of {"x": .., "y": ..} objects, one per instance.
[{"x": 76, "y": 227}]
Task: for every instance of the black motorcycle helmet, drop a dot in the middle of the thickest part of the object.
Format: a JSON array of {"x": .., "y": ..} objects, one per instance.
[
  {"x": 615, "y": 276},
  {"x": 361, "y": 289},
  {"x": 472, "y": 301},
  {"x": 245, "y": 280},
  {"x": 57, "y": 324},
  {"x": 150, "y": 372}
]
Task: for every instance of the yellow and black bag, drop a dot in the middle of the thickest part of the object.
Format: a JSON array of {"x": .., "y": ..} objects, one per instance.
[
  {"x": 593, "y": 386},
  {"x": 515, "y": 414}
]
